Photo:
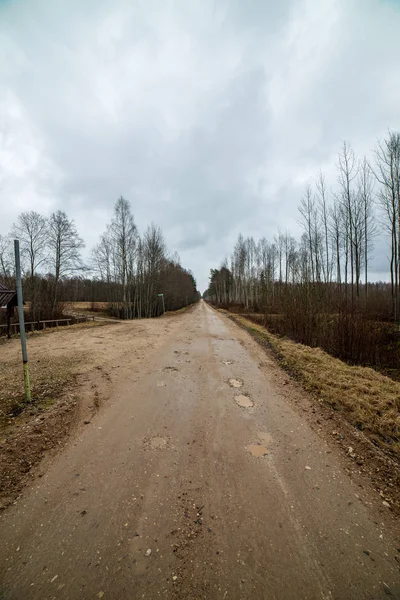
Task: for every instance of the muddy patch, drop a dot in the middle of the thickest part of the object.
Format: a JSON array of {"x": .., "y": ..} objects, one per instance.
[
  {"x": 244, "y": 401},
  {"x": 235, "y": 383},
  {"x": 257, "y": 450},
  {"x": 171, "y": 369},
  {"x": 264, "y": 437}
]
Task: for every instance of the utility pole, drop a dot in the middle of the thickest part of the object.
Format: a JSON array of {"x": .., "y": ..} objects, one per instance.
[
  {"x": 163, "y": 303},
  {"x": 22, "y": 322}
]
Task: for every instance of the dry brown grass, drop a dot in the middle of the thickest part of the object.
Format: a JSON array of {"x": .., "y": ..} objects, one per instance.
[
  {"x": 49, "y": 374},
  {"x": 87, "y": 305},
  {"x": 368, "y": 399},
  {"x": 96, "y": 309},
  {"x": 173, "y": 313},
  {"x": 49, "y": 379}
]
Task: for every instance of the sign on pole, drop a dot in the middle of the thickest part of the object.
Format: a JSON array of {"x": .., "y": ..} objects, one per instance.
[{"x": 163, "y": 303}]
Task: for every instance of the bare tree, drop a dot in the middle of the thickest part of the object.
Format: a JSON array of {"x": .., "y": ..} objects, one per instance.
[
  {"x": 335, "y": 231},
  {"x": 138, "y": 268},
  {"x": 387, "y": 172},
  {"x": 123, "y": 235},
  {"x": 153, "y": 248},
  {"x": 103, "y": 259},
  {"x": 324, "y": 218},
  {"x": 279, "y": 244},
  {"x": 32, "y": 231},
  {"x": 365, "y": 194},
  {"x": 348, "y": 171},
  {"x": 310, "y": 225},
  {"x": 65, "y": 247},
  {"x": 239, "y": 260},
  {"x": 290, "y": 253},
  {"x": 6, "y": 262}
]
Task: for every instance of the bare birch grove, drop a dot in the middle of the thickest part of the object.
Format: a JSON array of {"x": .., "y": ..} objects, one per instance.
[
  {"x": 316, "y": 288},
  {"x": 126, "y": 270}
]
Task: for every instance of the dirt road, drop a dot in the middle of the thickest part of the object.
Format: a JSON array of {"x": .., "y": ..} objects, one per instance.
[{"x": 198, "y": 479}]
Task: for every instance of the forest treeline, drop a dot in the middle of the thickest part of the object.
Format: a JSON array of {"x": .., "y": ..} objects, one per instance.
[
  {"x": 126, "y": 269},
  {"x": 315, "y": 289}
]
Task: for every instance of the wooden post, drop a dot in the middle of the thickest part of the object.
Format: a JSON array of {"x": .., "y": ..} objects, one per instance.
[{"x": 9, "y": 311}]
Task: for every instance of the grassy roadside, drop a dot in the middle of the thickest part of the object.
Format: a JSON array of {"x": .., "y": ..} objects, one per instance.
[
  {"x": 50, "y": 376},
  {"x": 369, "y": 400},
  {"x": 172, "y": 313}
]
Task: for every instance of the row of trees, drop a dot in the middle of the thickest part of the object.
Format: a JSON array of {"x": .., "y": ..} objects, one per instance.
[
  {"x": 48, "y": 245},
  {"x": 126, "y": 270},
  {"x": 138, "y": 268},
  {"x": 316, "y": 288}
]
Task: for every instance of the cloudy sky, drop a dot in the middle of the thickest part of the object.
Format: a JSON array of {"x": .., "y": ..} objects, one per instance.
[{"x": 210, "y": 116}]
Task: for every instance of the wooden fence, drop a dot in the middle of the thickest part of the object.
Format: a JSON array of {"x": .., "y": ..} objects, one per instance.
[{"x": 41, "y": 325}]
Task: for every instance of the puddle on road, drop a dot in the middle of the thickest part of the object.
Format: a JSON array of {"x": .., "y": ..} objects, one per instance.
[
  {"x": 157, "y": 442},
  {"x": 235, "y": 383},
  {"x": 257, "y": 450},
  {"x": 244, "y": 401}
]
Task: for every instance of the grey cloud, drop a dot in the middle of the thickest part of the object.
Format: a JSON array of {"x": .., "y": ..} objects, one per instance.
[{"x": 210, "y": 117}]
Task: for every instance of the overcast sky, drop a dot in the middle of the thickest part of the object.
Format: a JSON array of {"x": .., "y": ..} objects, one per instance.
[{"x": 208, "y": 116}]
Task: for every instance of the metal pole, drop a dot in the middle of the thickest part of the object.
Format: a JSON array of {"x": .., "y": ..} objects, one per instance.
[
  {"x": 22, "y": 321},
  {"x": 163, "y": 304}
]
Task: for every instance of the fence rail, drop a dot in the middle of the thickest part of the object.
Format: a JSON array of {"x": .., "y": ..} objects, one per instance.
[{"x": 41, "y": 325}]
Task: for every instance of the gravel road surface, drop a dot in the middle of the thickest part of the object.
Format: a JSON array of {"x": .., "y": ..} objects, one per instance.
[{"x": 197, "y": 479}]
